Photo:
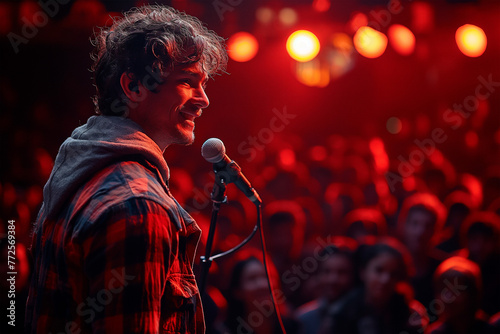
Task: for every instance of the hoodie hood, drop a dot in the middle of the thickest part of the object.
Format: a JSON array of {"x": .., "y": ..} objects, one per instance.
[{"x": 91, "y": 147}]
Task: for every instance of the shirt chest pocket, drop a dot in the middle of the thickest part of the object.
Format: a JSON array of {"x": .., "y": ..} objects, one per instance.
[{"x": 179, "y": 304}]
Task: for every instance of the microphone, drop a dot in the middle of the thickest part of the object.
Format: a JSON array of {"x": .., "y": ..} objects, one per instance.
[{"x": 213, "y": 151}]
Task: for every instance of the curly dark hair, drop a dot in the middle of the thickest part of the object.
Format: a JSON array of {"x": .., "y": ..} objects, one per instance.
[{"x": 148, "y": 42}]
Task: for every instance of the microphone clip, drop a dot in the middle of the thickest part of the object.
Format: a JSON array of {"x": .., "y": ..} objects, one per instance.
[{"x": 218, "y": 194}]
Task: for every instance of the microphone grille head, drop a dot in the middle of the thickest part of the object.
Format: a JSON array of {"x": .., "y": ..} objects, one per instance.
[{"x": 213, "y": 150}]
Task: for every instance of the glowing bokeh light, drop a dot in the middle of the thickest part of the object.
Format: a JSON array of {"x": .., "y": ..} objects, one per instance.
[
  {"x": 342, "y": 42},
  {"x": 321, "y": 5},
  {"x": 394, "y": 125},
  {"x": 302, "y": 45},
  {"x": 340, "y": 57},
  {"x": 313, "y": 73},
  {"x": 401, "y": 39},
  {"x": 357, "y": 21},
  {"x": 380, "y": 157},
  {"x": 288, "y": 16},
  {"x": 422, "y": 17},
  {"x": 287, "y": 159},
  {"x": 242, "y": 46},
  {"x": 264, "y": 14},
  {"x": 471, "y": 40},
  {"x": 370, "y": 42}
]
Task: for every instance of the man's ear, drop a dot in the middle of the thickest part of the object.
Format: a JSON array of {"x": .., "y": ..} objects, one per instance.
[{"x": 133, "y": 89}]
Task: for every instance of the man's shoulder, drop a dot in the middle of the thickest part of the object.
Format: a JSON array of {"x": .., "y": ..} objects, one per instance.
[
  {"x": 307, "y": 310},
  {"x": 118, "y": 183}
]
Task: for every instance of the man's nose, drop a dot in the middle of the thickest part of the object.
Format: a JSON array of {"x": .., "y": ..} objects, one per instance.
[{"x": 201, "y": 98}]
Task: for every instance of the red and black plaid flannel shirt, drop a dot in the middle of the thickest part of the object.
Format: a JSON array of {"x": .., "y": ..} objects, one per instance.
[{"x": 118, "y": 259}]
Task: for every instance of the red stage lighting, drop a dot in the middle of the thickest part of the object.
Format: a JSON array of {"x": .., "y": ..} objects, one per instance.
[
  {"x": 370, "y": 42},
  {"x": 471, "y": 40},
  {"x": 321, "y": 5},
  {"x": 402, "y": 39},
  {"x": 302, "y": 45},
  {"x": 242, "y": 46}
]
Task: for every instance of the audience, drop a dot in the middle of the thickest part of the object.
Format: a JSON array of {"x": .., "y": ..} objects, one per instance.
[{"x": 378, "y": 306}]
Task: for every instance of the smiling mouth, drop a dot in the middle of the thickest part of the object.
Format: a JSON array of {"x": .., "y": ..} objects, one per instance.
[{"x": 190, "y": 116}]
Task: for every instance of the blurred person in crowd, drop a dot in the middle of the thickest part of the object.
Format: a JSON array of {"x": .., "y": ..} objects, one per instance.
[
  {"x": 495, "y": 206},
  {"x": 437, "y": 179},
  {"x": 420, "y": 223},
  {"x": 364, "y": 223},
  {"x": 336, "y": 277},
  {"x": 379, "y": 306},
  {"x": 285, "y": 222},
  {"x": 341, "y": 199},
  {"x": 112, "y": 249},
  {"x": 458, "y": 288},
  {"x": 249, "y": 305},
  {"x": 459, "y": 205},
  {"x": 491, "y": 188},
  {"x": 480, "y": 236}
]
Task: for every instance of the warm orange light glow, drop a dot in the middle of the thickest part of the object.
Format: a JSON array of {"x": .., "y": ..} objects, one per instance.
[
  {"x": 264, "y": 14},
  {"x": 402, "y": 39},
  {"x": 370, "y": 42},
  {"x": 242, "y": 46},
  {"x": 302, "y": 45},
  {"x": 313, "y": 73},
  {"x": 342, "y": 42},
  {"x": 357, "y": 21},
  {"x": 471, "y": 40},
  {"x": 288, "y": 16}
]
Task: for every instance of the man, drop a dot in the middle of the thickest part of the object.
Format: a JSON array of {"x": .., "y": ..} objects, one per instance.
[
  {"x": 336, "y": 278},
  {"x": 112, "y": 249},
  {"x": 420, "y": 225}
]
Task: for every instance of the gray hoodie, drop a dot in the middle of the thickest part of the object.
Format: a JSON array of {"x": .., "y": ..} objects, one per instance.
[{"x": 91, "y": 147}]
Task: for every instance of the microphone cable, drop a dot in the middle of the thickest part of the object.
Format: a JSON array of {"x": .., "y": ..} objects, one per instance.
[{"x": 264, "y": 256}]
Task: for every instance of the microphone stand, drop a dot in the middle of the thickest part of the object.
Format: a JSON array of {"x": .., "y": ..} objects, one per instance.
[{"x": 218, "y": 197}]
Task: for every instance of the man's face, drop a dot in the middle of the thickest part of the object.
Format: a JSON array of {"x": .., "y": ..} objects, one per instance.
[
  {"x": 168, "y": 115},
  {"x": 336, "y": 276},
  {"x": 418, "y": 229},
  {"x": 253, "y": 284}
]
